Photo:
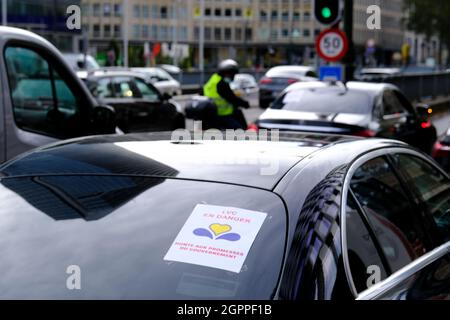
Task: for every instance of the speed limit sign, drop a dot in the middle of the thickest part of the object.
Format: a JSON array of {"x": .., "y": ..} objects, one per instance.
[{"x": 332, "y": 45}]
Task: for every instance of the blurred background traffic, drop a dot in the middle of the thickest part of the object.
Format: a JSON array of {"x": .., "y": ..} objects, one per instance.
[{"x": 150, "y": 59}]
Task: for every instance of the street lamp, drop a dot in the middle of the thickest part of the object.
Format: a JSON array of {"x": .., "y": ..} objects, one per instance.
[
  {"x": 4, "y": 12},
  {"x": 175, "y": 14},
  {"x": 201, "y": 46},
  {"x": 125, "y": 32}
]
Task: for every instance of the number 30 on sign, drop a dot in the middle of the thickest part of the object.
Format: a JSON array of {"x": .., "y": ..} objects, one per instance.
[{"x": 332, "y": 45}]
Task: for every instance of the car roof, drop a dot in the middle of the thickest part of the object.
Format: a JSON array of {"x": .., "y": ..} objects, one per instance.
[
  {"x": 307, "y": 85},
  {"x": 104, "y": 73},
  {"x": 292, "y": 68},
  {"x": 289, "y": 70},
  {"x": 10, "y": 32},
  {"x": 244, "y": 76},
  {"x": 75, "y": 55},
  {"x": 371, "y": 88},
  {"x": 229, "y": 162},
  {"x": 170, "y": 68},
  {"x": 147, "y": 69},
  {"x": 150, "y": 70}
]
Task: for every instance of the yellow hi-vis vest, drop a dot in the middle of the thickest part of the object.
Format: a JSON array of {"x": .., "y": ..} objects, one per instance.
[{"x": 210, "y": 90}]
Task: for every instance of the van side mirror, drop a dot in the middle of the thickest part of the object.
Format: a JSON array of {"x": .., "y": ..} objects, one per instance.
[{"x": 104, "y": 119}]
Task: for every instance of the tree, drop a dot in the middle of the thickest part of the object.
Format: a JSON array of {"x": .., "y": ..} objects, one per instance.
[{"x": 431, "y": 18}]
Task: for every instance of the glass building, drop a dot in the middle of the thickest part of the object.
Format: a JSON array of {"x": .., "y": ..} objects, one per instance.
[{"x": 45, "y": 17}]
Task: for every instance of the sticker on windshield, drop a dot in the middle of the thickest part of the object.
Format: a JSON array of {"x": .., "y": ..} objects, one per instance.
[{"x": 217, "y": 237}]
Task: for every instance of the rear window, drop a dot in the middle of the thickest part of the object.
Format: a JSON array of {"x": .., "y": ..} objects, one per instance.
[
  {"x": 325, "y": 101},
  {"x": 118, "y": 230}
]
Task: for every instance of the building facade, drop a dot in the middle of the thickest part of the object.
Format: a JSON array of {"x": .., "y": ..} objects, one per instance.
[
  {"x": 255, "y": 32},
  {"x": 45, "y": 17},
  {"x": 389, "y": 39}
]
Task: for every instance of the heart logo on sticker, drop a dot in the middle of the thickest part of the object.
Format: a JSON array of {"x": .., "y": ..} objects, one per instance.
[
  {"x": 219, "y": 229},
  {"x": 221, "y": 232}
]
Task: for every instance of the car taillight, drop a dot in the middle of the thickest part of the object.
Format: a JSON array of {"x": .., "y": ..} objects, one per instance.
[
  {"x": 441, "y": 151},
  {"x": 253, "y": 127},
  {"x": 265, "y": 81},
  {"x": 426, "y": 124},
  {"x": 365, "y": 133},
  {"x": 291, "y": 81}
]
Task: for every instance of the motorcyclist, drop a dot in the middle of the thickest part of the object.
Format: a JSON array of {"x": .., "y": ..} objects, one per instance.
[{"x": 218, "y": 89}]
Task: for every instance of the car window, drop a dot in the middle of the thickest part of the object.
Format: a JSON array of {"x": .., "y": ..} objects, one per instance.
[
  {"x": 147, "y": 92},
  {"x": 64, "y": 96},
  {"x": 392, "y": 104},
  {"x": 406, "y": 105},
  {"x": 429, "y": 283},
  {"x": 101, "y": 88},
  {"x": 325, "y": 100},
  {"x": 432, "y": 187},
  {"x": 42, "y": 101},
  {"x": 124, "y": 87},
  {"x": 396, "y": 223},
  {"x": 364, "y": 258}
]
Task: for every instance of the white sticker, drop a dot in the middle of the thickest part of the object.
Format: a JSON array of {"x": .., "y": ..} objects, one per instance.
[{"x": 216, "y": 237}]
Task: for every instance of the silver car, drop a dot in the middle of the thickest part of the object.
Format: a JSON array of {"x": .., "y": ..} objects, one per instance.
[
  {"x": 162, "y": 80},
  {"x": 245, "y": 86}
]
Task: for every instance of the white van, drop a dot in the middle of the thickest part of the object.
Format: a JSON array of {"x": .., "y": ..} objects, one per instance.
[{"x": 42, "y": 98}]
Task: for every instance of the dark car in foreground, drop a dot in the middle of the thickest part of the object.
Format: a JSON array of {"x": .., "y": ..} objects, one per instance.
[
  {"x": 309, "y": 217},
  {"x": 441, "y": 151},
  {"x": 139, "y": 106},
  {"x": 279, "y": 78},
  {"x": 357, "y": 108}
]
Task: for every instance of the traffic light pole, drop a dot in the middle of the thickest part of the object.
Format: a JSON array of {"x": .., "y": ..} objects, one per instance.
[{"x": 349, "y": 59}]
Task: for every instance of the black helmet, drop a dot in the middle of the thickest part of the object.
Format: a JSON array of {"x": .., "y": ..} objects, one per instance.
[{"x": 229, "y": 66}]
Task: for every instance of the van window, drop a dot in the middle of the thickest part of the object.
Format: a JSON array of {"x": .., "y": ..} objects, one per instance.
[{"x": 42, "y": 102}]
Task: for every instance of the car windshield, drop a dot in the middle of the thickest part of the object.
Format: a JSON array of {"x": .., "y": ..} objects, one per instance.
[
  {"x": 119, "y": 231},
  {"x": 326, "y": 100}
]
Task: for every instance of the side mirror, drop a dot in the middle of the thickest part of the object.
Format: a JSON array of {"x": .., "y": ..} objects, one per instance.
[
  {"x": 80, "y": 64},
  {"x": 166, "y": 97},
  {"x": 424, "y": 110},
  {"x": 104, "y": 119}
]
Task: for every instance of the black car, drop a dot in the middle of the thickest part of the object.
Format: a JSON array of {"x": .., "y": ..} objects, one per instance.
[
  {"x": 139, "y": 106},
  {"x": 356, "y": 108},
  {"x": 309, "y": 217},
  {"x": 279, "y": 78}
]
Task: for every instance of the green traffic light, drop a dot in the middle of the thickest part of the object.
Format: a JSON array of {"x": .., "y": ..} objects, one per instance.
[{"x": 326, "y": 12}]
